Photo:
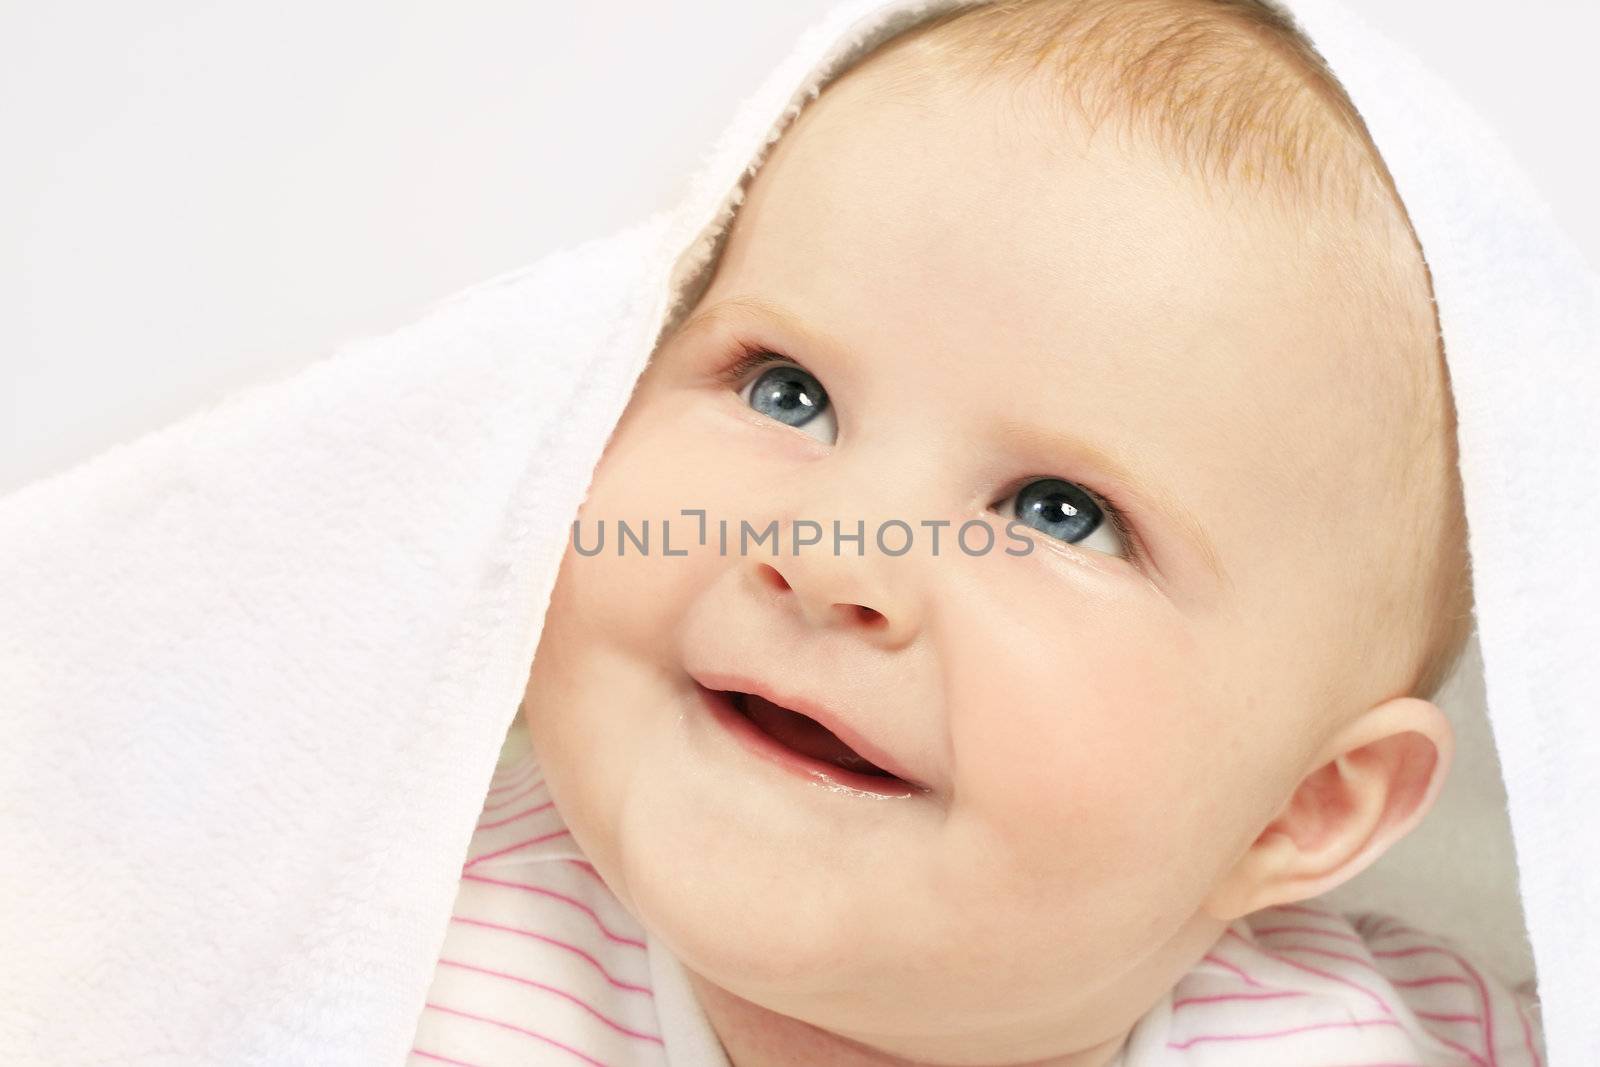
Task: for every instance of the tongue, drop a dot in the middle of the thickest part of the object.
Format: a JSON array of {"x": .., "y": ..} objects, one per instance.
[{"x": 806, "y": 735}]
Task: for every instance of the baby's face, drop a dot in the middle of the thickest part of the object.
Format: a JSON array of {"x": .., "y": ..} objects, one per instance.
[{"x": 1103, "y": 724}]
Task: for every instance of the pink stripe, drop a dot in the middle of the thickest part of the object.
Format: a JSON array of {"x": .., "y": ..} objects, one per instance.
[
  {"x": 1332, "y": 955},
  {"x": 579, "y": 1001},
  {"x": 1418, "y": 983},
  {"x": 1390, "y": 927},
  {"x": 563, "y": 832},
  {"x": 1281, "y": 1033},
  {"x": 1488, "y": 1008},
  {"x": 516, "y": 778},
  {"x": 1393, "y": 926},
  {"x": 1442, "y": 1017},
  {"x": 1436, "y": 1034},
  {"x": 509, "y": 773},
  {"x": 517, "y": 1029},
  {"x": 587, "y": 868},
  {"x": 574, "y": 901},
  {"x": 1321, "y": 974},
  {"x": 1464, "y": 1050},
  {"x": 556, "y": 942},
  {"x": 1488, "y": 1032},
  {"x": 1236, "y": 996},
  {"x": 1270, "y": 930},
  {"x": 517, "y": 799},
  {"x": 1478, "y": 1060},
  {"x": 1414, "y": 950},
  {"x": 1220, "y": 962},
  {"x": 1472, "y": 972},
  {"x": 440, "y": 1059},
  {"x": 513, "y": 818},
  {"x": 1527, "y": 1036}
]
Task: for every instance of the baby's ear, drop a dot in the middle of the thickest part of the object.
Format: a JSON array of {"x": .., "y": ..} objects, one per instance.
[{"x": 1375, "y": 780}]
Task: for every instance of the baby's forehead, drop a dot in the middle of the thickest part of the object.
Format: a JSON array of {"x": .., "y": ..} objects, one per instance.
[{"x": 1096, "y": 247}]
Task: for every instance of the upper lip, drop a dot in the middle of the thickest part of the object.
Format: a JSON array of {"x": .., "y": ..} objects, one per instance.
[{"x": 829, "y": 717}]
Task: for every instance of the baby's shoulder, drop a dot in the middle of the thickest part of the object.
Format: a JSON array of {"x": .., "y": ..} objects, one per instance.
[
  {"x": 519, "y": 823},
  {"x": 1453, "y": 991},
  {"x": 1306, "y": 984},
  {"x": 538, "y": 952},
  {"x": 1379, "y": 970}
]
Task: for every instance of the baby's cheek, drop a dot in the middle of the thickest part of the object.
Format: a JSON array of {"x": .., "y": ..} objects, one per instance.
[
  {"x": 1089, "y": 763},
  {"x": 635, "y": 559}
]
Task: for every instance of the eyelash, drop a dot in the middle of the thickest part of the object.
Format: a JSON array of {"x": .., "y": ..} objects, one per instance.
[{"x": 750, "y": 356}]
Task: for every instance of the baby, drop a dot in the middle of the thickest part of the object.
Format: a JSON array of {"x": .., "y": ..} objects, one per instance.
[{"x": 1082, "y": 358}]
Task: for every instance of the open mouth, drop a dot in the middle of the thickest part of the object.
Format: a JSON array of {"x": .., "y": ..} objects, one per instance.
[
  {"x": 805, "y": 735},
  {"x": 801, "y": 744}
]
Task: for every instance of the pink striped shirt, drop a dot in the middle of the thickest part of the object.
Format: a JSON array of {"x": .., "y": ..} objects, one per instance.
[{"x": 542, "y": 965}]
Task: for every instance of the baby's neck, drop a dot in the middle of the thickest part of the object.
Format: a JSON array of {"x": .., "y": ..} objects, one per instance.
[{"x": 752, "y": 1036}]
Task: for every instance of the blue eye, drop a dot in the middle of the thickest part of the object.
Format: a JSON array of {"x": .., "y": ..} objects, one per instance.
[
  {"x": 1068, "y": 512},
  {"x": 794, "y": 397}
]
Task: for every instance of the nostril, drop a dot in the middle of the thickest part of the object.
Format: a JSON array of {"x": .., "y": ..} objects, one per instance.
[{"x": 772, "y": 577}]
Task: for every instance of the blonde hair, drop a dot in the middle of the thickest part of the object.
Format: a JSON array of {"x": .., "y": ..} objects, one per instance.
[{"x": 1235, "y": 90}]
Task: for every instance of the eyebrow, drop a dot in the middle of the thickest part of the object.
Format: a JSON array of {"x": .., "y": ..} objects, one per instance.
[{"x": 1146, "y": 494}]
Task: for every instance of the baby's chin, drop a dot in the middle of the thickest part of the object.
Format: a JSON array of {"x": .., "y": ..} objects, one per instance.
[
  {"x": 843, "y": 943},
  {"x": 810, "y": 915},
  {"x": 760, "y": 879}
]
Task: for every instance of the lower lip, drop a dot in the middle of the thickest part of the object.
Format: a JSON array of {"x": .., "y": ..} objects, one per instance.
[{"x": 759, "y": 743}]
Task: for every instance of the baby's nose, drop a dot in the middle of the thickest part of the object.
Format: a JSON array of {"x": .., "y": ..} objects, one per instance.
[{"x": 837, "y": 592}]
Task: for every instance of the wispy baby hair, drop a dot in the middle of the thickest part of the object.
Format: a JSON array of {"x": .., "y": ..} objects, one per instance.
[{"x": 1232, "y": 88}]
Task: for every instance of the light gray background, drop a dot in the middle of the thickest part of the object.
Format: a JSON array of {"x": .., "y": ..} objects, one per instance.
[{"x": 198, "y": 195}]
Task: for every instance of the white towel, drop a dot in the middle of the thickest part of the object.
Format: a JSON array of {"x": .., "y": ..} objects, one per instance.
[{"x": 255, "y": 668}]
